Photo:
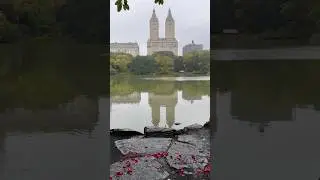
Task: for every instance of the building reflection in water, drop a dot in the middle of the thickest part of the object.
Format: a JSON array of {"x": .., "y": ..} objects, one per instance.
[
  {"x": 261, "y": 108},
  {"x": 168, "y": 101}
]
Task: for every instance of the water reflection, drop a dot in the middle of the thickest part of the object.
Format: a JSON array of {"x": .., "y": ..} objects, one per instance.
[
  {"x": 268, "y": 123},
  {"x": 158, "y": 103},
  {"x": 50, "y": 121}
]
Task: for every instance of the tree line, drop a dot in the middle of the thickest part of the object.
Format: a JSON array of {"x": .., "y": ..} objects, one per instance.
[
  {"x": 255, "y": 16},
  {"x": 82, "y": 20},
  {"x": 87, "y": 21},
  {"x": 296, "y": 17},
  {"x": 164, "y": 62}
]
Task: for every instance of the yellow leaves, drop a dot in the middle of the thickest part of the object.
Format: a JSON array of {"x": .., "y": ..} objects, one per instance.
[
  {"x": 120, "y": 61},
  {"x": 165, "y": 63}
]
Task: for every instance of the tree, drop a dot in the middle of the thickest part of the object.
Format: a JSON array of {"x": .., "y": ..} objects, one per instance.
[
  {"x": 197, "y": 61},
  {"x": 123, "y": 4},
  {"x": 8, "y": 31},
  {"x": 165, "y": 64},
  {"x": 143, "y": 65},
  {"x": 178, "y": 64},
  {"x": 120, "y": 61}
]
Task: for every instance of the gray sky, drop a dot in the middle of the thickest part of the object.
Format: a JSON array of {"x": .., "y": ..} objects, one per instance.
[{"x": 192, "y": 19}]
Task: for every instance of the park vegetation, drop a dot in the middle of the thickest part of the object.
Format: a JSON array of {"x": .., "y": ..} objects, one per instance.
[
  {"x": 81, "y": 20},
  {"x": 161, "y": 63},
  {"x": 291, "y": 18},
  {"x": 87, "y": 21}
]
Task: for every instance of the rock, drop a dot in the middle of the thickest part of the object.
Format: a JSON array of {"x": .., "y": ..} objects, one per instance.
[
  {"x": 124, "y": 132},
  {"x": 177, "y": 123},
  {"x": 144, "y": 168},
  {"x": 159, "y": 132},
  {"x": 143, "y": 145},
  {"x": 200, "y": 139},
  {"x": 186, "y": 156},
  {"x": 180, "y": 131},
  {"x": 193, "y": 127},
  {"x": 207, "y": 124}
]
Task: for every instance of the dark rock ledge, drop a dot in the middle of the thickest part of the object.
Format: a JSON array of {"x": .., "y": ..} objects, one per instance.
[{"x": 162, "y": 154}]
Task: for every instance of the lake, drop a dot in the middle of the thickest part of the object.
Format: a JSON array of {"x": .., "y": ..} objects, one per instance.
[
  {"x": 267, "y": 120},
  {"x": 50, "y": 122},
  {"x": 54, "y": 114},
  {"x": 173, "y": 102}
]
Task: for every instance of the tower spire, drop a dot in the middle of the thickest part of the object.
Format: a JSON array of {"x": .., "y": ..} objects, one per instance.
[
  {"x": 154, "y": 16},
  {"x": 169, "y": 13}
]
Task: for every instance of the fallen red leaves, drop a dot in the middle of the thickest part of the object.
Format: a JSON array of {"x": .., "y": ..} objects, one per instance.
[
  {"x": 181, "y": 172},
  {"x": 160, "y": 155},
  {"x": 206, "y": 170},
  {"x": 127, "y": 166}
]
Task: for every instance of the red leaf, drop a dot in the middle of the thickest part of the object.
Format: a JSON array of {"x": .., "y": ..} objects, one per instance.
[
  {"x": 134, "y": 160},
  {"x": 181, "y": 172},
  {"x": 129, "y": 170},
  {"x": 207, "y": 169},
  {"x": 119, "y": 173}
]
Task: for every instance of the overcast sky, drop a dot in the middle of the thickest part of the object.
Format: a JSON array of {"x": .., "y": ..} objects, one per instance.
[{"x": 192, "y": 19}]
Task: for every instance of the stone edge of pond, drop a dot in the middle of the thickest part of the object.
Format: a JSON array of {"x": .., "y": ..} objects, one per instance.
[
  {"x": 153, "y": 131},
  {"x": 171, "y": 148}
]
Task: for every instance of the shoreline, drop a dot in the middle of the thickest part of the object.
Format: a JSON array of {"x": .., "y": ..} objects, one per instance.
[
  {"x": 164, "y": 152},
  {"x": 285, "y": 53},
  {"x": 159, "y": 75}
]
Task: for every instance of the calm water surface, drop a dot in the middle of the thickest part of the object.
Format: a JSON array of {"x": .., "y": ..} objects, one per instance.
[
  {"x": 54, "y": 114},
  {"x": 51, "y": 125},
  {"x": 159, "y": 102},
  {"x": 267, "y": 121}
]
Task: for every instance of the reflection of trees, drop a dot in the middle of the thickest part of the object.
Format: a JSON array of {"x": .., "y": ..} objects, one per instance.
[
  {"x": 131, "y": 98},
  {"x": 169, "y": 101},
  {"x": 194, "y": 90},
  {"x": 261, "y": 106},
  {"x": 272, "y": 85},
  {"x": 81, "y": 113},
  {"x": 42, "y": 75},
  {"x": 121, "y": 86}
]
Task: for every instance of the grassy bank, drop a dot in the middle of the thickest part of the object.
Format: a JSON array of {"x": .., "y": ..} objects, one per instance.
[{"x": 173, "y": 74}]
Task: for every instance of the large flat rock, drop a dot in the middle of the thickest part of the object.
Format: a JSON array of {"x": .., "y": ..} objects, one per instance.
[
  {"x": 200, "y": 139},
  {"x": 186, "y": 156},
  {"x": 144, "y": 168},
  {"x": 143, "y": 145}
]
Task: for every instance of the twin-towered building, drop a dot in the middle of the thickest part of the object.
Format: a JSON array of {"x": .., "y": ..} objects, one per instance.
[
  {"x": 169, "y": 42},
  {"x": 155, "y": 43}
]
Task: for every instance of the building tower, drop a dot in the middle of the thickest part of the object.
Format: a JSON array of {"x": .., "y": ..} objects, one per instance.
[
  {"x": 169, "y": 26},
  {"x": 167, "y": 43},
  {"x": 154, "y": 26}
]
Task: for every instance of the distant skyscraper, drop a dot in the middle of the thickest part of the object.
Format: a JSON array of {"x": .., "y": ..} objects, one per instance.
[
  {"x": 155, "y": 43},
  {"x": 129, "y": 48},
  {"x": 191, "y": 47}
]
